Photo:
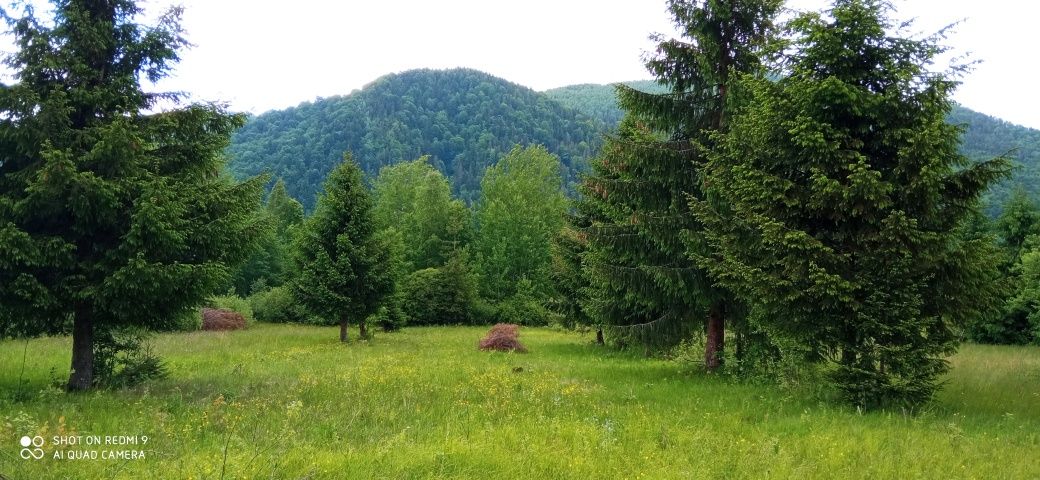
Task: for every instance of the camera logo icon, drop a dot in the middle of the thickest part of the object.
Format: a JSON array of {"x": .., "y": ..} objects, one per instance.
[{"x": 31, "y": 447}]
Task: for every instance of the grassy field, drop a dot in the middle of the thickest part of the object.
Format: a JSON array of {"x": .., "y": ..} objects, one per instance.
[{"x": 291, "y": 402}]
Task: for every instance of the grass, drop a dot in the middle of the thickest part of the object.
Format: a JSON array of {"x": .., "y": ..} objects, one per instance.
[{"x": 281, "y": 401}]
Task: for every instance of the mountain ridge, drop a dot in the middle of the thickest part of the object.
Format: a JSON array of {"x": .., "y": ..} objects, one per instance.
[{"x": 465, "y": 120}]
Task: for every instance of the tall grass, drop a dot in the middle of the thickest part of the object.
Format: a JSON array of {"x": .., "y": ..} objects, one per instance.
[{"x": 283, "y": 401}]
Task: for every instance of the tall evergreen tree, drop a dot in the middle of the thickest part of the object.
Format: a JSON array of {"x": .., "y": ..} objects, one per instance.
[
  {"x": 344, "y": 268},
  {"x": 649, "y": 288},
  {"x": 109, "y": 215},
  {"x": 845, "y": 197}
]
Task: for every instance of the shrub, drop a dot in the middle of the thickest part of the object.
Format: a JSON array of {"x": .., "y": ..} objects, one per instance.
[
  {"x": 123, "y": 359},
  {"x": 522, "y": 309},
  {"x": 503, "y": 338},
  {"x": 438, "y": 296},
  {"x": 389, "y": 317},
  {"x": 279, "y": 305},
  {"x": 188, "y": 320}
]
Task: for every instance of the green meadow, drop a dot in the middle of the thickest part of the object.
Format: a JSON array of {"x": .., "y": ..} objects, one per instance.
[{"x": 285, "y": 401}]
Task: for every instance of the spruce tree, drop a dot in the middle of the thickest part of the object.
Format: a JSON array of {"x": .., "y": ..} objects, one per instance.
[
  {"x": 845, "y": 199},
  {"x": 110, "y": 215},
  {"x": 344, "y": 270},
  {"x": 646, "y": 287}
]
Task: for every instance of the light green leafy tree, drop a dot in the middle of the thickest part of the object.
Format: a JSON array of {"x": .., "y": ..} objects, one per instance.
[
  {"x": 415, "y": 199},
  {"x": 521, "y": 208}
]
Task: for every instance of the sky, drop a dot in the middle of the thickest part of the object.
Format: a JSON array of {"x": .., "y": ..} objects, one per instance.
[{"x": 259, "y": 55}]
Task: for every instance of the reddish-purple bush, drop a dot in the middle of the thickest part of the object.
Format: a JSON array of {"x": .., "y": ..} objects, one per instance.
[
  {"x": 503, "y": 337},
  {"x": 217, "y": 319}
]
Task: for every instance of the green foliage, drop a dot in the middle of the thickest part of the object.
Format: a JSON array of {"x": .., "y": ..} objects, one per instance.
[
  {"x": 415, "y": 199},
  {"x": 643, "y": 285},
  {"x": 110, "y": 215},
  {"x": 344, "y": 270},
  {"x": 439, "y": 296},
  {"x": 521, "y": 207},
  {"x": 277, "y": 305},
  {"x": 525, "y": 307},
  {"x": 984, "y": 137},
  {"x": 600, "y": 101},
  {"x": 463, "y": 119},
  {"x": 125, "y": 359},
  {"x": 841, "y": 206},
  {"x": 1016, "y": 322},
  {"x": 568, "y": 293},
  {"x": 269, "y": 266}
]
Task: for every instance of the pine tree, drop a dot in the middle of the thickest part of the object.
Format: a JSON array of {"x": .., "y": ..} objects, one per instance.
[
  {"x": 845, "y": 199},
  {"x": 344, "y": 268},
  {"x": 647, "y": 288},
  {"x": 110, "y": 216}
]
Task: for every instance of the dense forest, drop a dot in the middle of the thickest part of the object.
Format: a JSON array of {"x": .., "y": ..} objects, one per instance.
[{"x": 463, "y": 119}]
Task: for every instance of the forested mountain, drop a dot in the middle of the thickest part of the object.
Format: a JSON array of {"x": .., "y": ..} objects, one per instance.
[
  {"x": 464, "y": 119},
  {"x": 985, "y": 136},
  {"x": 598, "y": 101}
]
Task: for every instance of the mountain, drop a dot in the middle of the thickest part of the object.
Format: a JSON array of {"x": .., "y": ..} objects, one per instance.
[
  {"x": 984, "y": 137},
  {"x": 464, "y": 119}
]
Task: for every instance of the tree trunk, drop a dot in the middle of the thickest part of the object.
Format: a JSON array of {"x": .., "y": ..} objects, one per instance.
[
  {"x": 82, "y": 375},
  {"x": 363, "y": 330},
  {"x": 343, "y": 325},
  {"x": 715, "y": 345},
  {"x": 599, "y": 337}
]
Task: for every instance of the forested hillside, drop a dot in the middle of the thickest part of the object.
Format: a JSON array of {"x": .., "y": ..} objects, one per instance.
[
  {"x": 464, "y": 119},
  {"x": 985, "y": 136}
]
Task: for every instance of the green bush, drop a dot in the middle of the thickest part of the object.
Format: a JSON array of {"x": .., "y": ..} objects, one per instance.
[
  {"x": 277, "y": 305},
  {"x": 389, "y": 317},
  {"x": 123, "y": 358},
  {"x": 522, "y": 310},
  {"x": 438, "y": 296},
  {"x": 234, "y": 303}
]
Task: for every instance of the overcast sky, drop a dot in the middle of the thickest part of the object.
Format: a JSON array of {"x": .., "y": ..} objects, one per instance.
[{"x": 260, "y": 55}]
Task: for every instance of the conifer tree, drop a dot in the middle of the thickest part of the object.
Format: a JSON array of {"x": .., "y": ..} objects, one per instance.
[
  {"x": 110, "y": 216},
  {"x": 344, "y": 268},
  {"x": 845, "y": 196},
  {"x": 646, "y": 286}
]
